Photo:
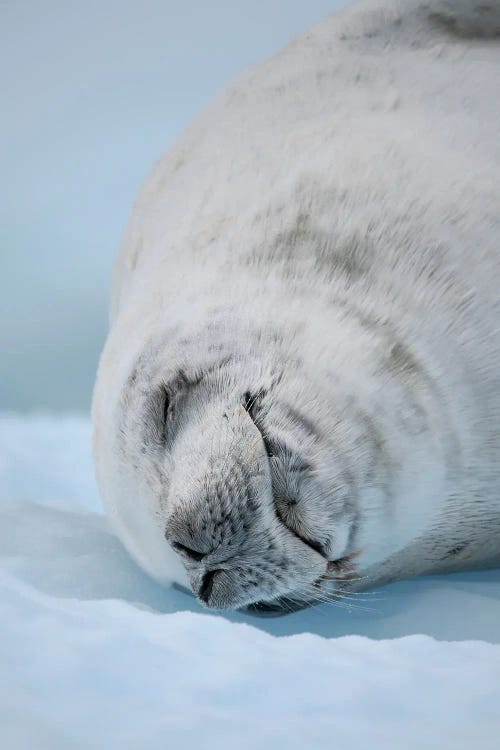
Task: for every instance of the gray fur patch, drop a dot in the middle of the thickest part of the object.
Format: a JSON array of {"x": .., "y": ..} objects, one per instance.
[
  {"x": 477, "y": 21},
  {"x": 401, "y": 360},
  {"x": 307, "y": 424},
  {"x": 333, "y": 255},
  {"x": 456, "y": 550}
]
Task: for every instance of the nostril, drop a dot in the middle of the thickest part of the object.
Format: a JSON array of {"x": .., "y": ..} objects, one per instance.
[
  {"x": 192, "y": 553},
  {"x": 207, "y": 584}
]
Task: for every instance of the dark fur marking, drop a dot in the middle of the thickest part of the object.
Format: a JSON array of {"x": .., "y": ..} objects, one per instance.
[
  {"x": 307, "y": 424},
  {"x": 401, "y": 359},
  {"x": 366, "y": 321},
  {"x": 349, "y": 257},
  {"x": 456, "y": 550},
  {"x": 485, "y": 26}
]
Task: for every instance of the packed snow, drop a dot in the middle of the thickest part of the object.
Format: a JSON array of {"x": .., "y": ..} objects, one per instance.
[{"x": 95, "y": 655}]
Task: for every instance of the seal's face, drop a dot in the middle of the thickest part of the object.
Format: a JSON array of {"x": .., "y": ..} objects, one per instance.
[{"x": 238, "y": 476}]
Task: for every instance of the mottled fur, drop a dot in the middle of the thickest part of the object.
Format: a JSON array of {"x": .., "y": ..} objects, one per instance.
[{"x": 300, "y": 392}]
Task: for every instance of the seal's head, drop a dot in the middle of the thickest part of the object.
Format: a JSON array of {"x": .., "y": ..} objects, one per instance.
[{"x": 223, "y": 481}]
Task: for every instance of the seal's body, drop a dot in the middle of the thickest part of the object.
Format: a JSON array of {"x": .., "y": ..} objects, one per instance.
[{"x": 300, "y": 389}]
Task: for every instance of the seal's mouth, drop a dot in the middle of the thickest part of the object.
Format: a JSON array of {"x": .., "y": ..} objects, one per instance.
[
  {"x": 277, "y": 607},
  {"x": 341, "y": 570}
]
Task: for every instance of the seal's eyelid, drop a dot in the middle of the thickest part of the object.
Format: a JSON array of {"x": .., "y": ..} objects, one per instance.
[
  {"x": 166, "y": 404},
  {"x": 170, "y": 391},
  {"x": 165, "y": 415},
  {"x": 316, "y": 546},
  {"x": 181, "y": 382}
]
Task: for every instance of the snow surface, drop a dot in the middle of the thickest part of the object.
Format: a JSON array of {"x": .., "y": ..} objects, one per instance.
[{"x": 95, "y": 655}]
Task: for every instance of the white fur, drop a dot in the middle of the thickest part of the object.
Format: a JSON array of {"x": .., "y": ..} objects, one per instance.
[{"x": 380, "y": 126}]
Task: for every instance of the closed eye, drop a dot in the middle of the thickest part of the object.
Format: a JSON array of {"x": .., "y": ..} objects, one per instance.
[
  {"x": 316, "y": 546},
  {"x": 166, "y": 405},
  {"x": 165, "y": 413},
  {"x": 272, "y": 447}
]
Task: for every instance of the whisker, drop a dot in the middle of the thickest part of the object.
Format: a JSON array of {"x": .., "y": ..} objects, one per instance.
[{"x": 342, "y": 602}]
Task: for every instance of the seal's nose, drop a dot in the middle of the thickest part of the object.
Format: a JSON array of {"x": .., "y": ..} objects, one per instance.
[
  {"x": 207, "y": 584},
  {"x": 192, "y": 554}
]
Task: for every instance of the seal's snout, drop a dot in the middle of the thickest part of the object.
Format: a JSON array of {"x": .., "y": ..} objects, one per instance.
[
  {"x": 220, "y": 506},
  {"x": 226, "y": 516}
]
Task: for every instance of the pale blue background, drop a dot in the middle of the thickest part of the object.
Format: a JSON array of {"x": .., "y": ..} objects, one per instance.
[{"x": 92, "y": 92}]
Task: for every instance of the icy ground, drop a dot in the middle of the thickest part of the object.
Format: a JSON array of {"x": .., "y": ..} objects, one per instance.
[{"x": 94, "y": 655}]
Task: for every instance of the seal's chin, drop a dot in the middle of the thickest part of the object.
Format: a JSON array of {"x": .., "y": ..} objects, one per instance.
[
  {"x": 285, "y": 604},
  {"x": 274, "y": 608},
  {"x": 277, "y": 607}
]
